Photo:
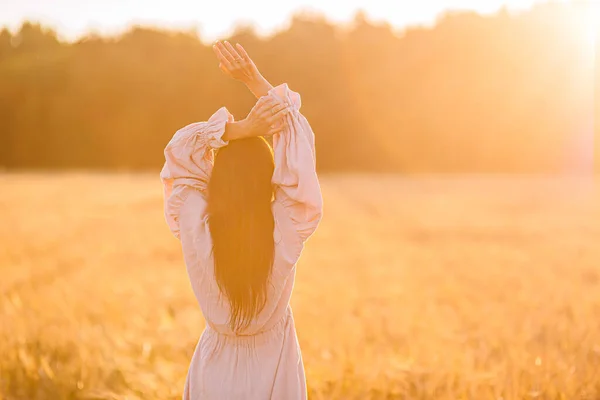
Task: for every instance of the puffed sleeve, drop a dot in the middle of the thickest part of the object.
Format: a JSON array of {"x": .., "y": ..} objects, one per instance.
[
  {"x": 189, "y": 161},
  {"x": 295, "y": 177}
]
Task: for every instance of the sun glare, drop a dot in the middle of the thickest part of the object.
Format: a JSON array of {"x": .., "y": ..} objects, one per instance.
[{"x": 593, "y": 22}]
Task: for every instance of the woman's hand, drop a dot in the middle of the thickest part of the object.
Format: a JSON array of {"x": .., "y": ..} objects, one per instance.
[
  {"x": 266, "y": 117},
  {"x": 237, "y": 65}
]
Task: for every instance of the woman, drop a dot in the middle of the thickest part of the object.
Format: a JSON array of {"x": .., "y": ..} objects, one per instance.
[{"x": 243, "y": 216}]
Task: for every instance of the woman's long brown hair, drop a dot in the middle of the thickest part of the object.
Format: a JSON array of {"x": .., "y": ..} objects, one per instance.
[{"x": 241, "y": 226}]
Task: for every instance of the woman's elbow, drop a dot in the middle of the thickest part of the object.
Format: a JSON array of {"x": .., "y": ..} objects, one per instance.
[{"x": 313, "y": 218}]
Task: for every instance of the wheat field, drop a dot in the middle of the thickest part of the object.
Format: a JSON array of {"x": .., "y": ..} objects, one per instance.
[{"x": 472, "y": 287}]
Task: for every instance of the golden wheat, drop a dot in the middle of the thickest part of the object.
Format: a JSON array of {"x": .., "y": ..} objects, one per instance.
[{"x": 413, "y": 288}]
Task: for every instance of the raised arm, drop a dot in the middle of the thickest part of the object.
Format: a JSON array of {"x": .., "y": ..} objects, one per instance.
[
  {"x": 189, "y": 154},
  {"x": 295, "y": 177},
  {"x": 189, "y": 161}
]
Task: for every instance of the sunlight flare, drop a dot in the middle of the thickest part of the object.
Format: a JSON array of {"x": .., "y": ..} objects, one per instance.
[{"x": 592, "y": 22}]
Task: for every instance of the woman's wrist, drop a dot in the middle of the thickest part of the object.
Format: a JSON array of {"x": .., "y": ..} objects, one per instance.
[
  {"x": 259, "y": 86},
  {"x": 236, "y": 130}
]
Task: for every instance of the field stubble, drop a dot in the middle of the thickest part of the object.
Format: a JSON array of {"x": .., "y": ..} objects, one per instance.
[{"x": 478, "y": 287}]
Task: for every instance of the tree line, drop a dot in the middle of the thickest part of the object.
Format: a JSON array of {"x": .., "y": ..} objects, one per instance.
[{"x": 510, "y": 92}]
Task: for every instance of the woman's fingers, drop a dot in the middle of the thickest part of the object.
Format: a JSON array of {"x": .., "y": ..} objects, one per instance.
[
  {"x": 269, "y": 112},
  {"x": 275, "y": 130},
  {"x": 270, "y": 108},
  {"x": 233, "y": 53},
  {"x": 222, "y": 59},
  {"x": 262, "y": 108},
  {"x": 264, "y": 104},
  {"x": 243, "y": 52},
  {"x": 273, "y": 110},
  {"x": 278, "y": 115},
  {"x": 226, "y": 53}
]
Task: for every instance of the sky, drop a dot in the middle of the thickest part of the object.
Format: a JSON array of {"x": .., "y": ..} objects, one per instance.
[{"x": 214, "y": 19}]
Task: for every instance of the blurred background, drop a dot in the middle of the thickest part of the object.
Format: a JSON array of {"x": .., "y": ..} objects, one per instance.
[
  {"x": 458, "y": 254},
  {"x": 507, "y": 90}
]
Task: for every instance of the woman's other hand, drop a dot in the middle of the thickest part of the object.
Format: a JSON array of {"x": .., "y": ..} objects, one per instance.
[
  {"x": 266, "y": 117},
  {"x": 236, "y": 64}
]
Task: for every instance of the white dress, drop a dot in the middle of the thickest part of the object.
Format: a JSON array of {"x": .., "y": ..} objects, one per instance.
[{"x": 264, "y": 362}]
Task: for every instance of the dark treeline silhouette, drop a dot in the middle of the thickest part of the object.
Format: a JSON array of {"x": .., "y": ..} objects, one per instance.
[{"x": 502, "y": 93}]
